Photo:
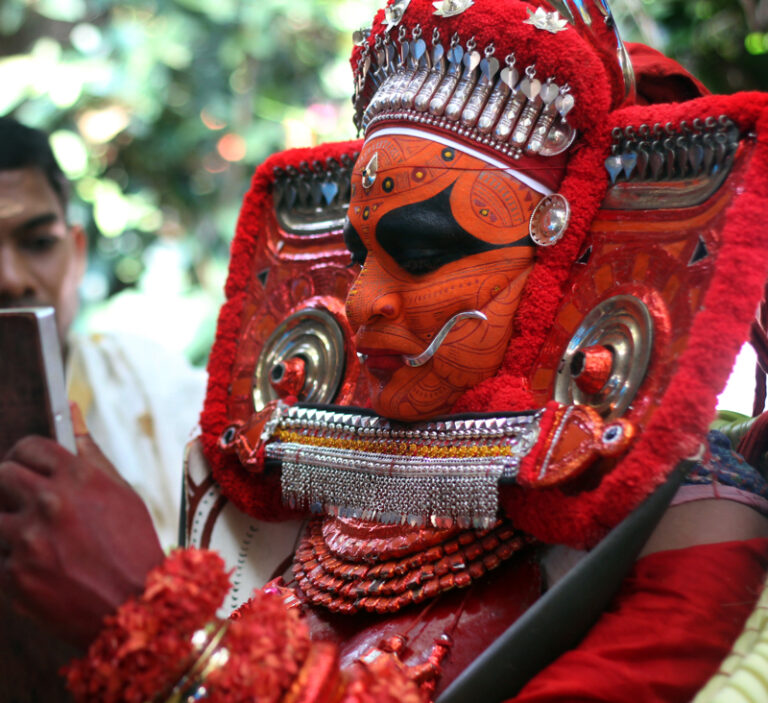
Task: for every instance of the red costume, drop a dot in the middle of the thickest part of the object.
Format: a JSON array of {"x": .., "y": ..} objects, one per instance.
[{"x": 544, "y": 253}]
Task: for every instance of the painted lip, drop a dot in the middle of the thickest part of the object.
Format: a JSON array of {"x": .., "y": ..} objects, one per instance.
[{"x": 381, "y": 359}]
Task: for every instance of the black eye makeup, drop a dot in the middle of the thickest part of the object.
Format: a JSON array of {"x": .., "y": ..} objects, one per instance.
[
  {"x": 422, "y": 237},
  {"x": 354, "y": 244}
]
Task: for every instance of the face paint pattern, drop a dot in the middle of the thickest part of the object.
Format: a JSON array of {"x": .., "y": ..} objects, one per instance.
[{"x": 440, "y": 232}]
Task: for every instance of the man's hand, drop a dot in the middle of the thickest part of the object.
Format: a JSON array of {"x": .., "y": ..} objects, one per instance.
[{"x": 75, "y": 540}]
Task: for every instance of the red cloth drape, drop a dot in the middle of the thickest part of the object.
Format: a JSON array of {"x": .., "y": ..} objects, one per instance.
[
  {"x": 669, "y": 627},
  {"x": 661, "y": 79}
]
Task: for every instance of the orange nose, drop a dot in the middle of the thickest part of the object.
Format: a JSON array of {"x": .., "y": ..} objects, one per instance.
[{"x": 388, "y": 305}]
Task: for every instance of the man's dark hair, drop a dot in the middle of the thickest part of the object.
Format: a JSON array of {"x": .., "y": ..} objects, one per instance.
[{"x": 24, "y": 147}]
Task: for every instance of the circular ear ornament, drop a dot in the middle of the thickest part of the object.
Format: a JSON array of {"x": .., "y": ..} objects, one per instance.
[
  {"x": 303, "y": 357},
  {"x": 549, "y": 220},
  {"x": 606, "y": 360}
]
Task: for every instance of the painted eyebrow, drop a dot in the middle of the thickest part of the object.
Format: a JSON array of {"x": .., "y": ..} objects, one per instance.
[{"x": 421, "y": 237}]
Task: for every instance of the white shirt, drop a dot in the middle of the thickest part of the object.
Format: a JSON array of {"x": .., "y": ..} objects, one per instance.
[{"x": 141, "y": 404}]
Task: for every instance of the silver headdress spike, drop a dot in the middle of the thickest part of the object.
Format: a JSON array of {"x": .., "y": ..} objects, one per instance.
[
  {"x": 461, "y": 89},
  {"x": 389, "y": 55},
  {"x": 517, "y": 98},
  {"x": 531, "y": 87},
  {"x": 464, "y": 87},
  {"x": 508, "y": 78},
  {"x": 489, "y": 67},
  {"x": 405, "y": 70},
  {"x": 450, "y": 79},
  {"x": 391, "y": 70},
  {"x": 379, "y": 74},
  {"x": 549, "y": 92},
  {"x": 436, "y": 73},
  {"x": 361, "y": 74},
  {"x": 420, "y": 66}
]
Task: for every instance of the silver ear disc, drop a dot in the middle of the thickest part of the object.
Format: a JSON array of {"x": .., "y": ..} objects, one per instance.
[
  {"x": 623, "y": 325},
  {"x": 549, "y": 220},
  {"x": 314, "y": 336}
]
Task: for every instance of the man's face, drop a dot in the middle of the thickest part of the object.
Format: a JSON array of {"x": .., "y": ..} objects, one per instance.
[
  {"x": 441, "y": 232},
  {"x": 42, "y": 259}
]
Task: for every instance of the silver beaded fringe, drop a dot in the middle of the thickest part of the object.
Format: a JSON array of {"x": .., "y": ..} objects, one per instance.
[{"x": 391, "y": 488}]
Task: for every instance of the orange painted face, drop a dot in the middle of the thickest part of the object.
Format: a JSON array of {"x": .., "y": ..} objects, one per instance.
[{"x": 439, "y": 232}]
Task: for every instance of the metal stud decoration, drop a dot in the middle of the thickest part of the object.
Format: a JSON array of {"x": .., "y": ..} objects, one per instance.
[
  {"x": 549, "y": 220},
  {"x": 369, "y": 172}
]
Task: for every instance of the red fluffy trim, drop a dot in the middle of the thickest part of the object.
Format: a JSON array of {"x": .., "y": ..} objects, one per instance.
[
  {"x": 679, "y": 425},
  {"x": 257, "y": 495}
]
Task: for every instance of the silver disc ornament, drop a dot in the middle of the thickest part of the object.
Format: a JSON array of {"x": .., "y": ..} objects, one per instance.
[
  {"x": 549, "y": 220},
  {"x": 313, "y": 336},
  {"x": 623, "y": 325}
]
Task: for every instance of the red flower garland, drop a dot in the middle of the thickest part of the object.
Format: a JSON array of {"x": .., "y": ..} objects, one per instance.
[
  {"x": 267, "y": 645},
  {"x": 381, "y": 681},
  {"x": 146, "y": 648}
]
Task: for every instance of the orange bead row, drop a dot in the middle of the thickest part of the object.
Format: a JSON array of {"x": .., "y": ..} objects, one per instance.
[
  {"x": 394, "y": 447},
  {"x": 349, "y": 587}
]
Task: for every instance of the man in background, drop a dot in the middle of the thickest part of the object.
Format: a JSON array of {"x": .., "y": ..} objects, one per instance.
[{"x": 140, "y": 402}]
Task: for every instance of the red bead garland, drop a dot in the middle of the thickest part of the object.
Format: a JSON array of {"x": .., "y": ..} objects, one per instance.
[{"x": 327, "y": 574}]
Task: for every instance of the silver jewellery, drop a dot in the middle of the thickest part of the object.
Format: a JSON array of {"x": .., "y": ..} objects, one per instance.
[
  {"x": 393, "y": 13},
  {"x": 549, "y": 220},
  {"x": 314, "y": 197},
  {"x": 440, "y": 473},
  {"x": 548, "y": 21},
  {"x": 701, "y": 147},
  {"x": 451, "y": 8},
  {"x": 429, "y": 352},
  {"x": 369, "y": 172},
  {"x": 463, "y": 89},
  {"x": 349, "y": 462}
]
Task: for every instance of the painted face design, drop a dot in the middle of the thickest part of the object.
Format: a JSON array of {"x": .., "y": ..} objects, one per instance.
[{"x": 439, "y": 232}]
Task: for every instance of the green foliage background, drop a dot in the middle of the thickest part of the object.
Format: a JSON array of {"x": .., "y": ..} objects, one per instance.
[
  {"x": 160, "y": 109},
  {"x": 723, "y": 42}
]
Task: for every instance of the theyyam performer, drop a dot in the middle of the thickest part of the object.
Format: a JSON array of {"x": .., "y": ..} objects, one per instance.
[{"x": 486, "y": 475}]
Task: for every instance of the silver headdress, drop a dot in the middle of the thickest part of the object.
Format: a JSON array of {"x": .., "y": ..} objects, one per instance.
[{"x": 457, "y": 84}]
